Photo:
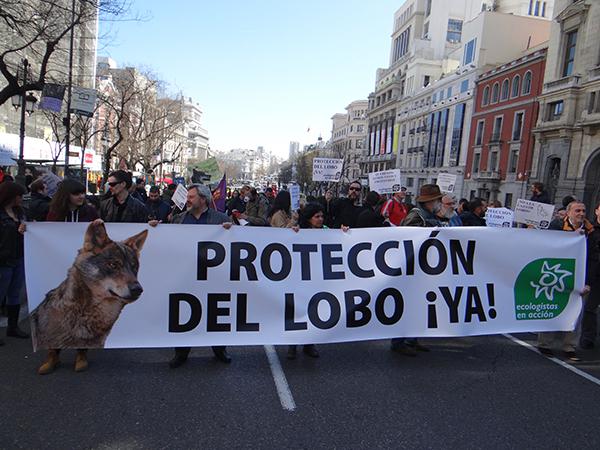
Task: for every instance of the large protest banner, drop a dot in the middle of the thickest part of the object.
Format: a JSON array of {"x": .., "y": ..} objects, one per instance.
[{"x": 204, "y": 285}]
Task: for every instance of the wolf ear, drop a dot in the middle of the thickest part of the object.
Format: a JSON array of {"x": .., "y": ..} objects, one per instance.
[
  {"x": 96, "y": 237},
  {"x": 137, "y": 242}
]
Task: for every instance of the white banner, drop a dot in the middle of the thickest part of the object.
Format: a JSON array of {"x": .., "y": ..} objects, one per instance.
[
  {"x": 295, "y": 197},
  {"x": 83, "y": 101},
  {"x": 446, "y": 182},
  {"x": 327, "y": 169},
  {"x": 386, "y": 181},
  {"x": 180, "y": 196},
  {"x": 499, "y": 217},
  {"x": 255, "y": 286},
  {"x": 534, "y": 213}
]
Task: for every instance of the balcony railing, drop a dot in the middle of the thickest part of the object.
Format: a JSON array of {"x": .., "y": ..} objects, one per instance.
[
  {"x": 594, "y": 73},
  {"x": 562, "y": 83},
  {"x": 488, "y": 175}
]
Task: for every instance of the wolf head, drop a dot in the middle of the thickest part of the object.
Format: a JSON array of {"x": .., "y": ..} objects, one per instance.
[{"x": 110, "y": 268}]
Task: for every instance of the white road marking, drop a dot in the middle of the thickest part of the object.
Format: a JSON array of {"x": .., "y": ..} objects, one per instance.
[
  {"x": 283, "y": 389},
  {"x": 560, "y": 362}
]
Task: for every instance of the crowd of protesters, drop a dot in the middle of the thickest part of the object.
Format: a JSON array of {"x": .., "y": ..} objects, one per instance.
[{"x": 126, "y": 200}]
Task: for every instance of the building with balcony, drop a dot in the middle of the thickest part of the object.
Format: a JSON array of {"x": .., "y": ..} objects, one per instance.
[
  {"x": 501, "y": 142},
  {"x": 348, "y": 135},
  {"x": 567, "y": 149}
]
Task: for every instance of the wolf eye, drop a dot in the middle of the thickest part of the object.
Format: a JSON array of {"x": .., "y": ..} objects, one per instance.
[{"x": 113, "y": 265}]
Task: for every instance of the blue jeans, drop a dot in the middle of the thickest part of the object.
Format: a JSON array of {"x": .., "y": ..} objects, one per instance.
[{"x": 11, "y": 282}]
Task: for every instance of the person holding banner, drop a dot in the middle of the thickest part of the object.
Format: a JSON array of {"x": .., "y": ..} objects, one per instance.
[
  {"x": 280, "y": 215},
  {"x": 121, "y": 206},
  {"x": 68, "y": 205},
  {"x": 370, "y": 217},
  {"x": 474, "y": 216},
  {"x": 12, "y": 262},
  {"x": 348, "y": 209},
  {"x": 257, "y": 207},
  {"x": 589, "y": 325},
  {"x": 425, "y": 214},
  {"x": 574, "y": 222},
  {"x": 198, "y": 212}
]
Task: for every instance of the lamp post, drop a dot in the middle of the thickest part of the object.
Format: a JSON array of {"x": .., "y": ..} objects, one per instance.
[{"x": 27, "y": 103}]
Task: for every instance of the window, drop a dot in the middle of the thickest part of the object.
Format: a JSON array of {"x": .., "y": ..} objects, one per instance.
[
  {"x": 555, "y": 110},
  {"x": 426, "y": 80},
  {"x": 470, "y": 52},
  {"x": 428, "y": 9},
  {"x": 457, "y": 133},
  {"x": 508, "y": 201},
  {"x": 514, "y": 161},
  {"x": 495, "y": 92},
  {"x": 476, "y": 161},
  {"x": 479, "y": 132},
  {"x": 497, "y": 133},
  {"x": 486, "y": 96},
  {"x": 434, "y": 98},
  {"x": 493, "y": 162},
  {"x": 454, "y": 31},
  {"x": 441, "y": 95},
  {"x": 464, "y": 86},
  {"x": 410, "y": 182},
  {"x": 537, "y": 8},
  {"x": 426, "y": 30},
  {"x": 360, "y": 128},
  {"x": 531, "y": 7},
  {"x": 544, "y": 9},
  {"x": 449, "y": 93},
  {"x": 401, "y": 45},
  {"x": 526, "y": 88},
  {"x": 516, "y": 84},
  {"x": 593, "y": 100},
  {"x": 518, "y": 126},
  {"x": 571, "y": 44},
  {"x": 505, "y": 89}
]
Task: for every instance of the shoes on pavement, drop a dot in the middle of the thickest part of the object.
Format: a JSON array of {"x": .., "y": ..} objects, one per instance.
[
  {"x": 311, "y": 350},
  {"x": 221, "y": 354},
  {"x": 177, "y": 361},
  {"x": 81, "y": 362},
  {"x": 291, "y": 352},
  {"x": 546, "y": 351},
  {"x": 572, "y": 356},
  {"x": 586, "y": 345},
  {"x": 418, "y": 347},
  {"x": 404, "y": 349},
  {"x": 51, "y": 363},
  {"x": 13, "y": 329}
]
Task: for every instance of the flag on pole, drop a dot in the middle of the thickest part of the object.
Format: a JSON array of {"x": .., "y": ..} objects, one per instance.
[{"x": 220, "y": 195}]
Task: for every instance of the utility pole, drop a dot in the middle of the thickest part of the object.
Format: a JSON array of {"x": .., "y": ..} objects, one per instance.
[{"x": 67, "y": 120}]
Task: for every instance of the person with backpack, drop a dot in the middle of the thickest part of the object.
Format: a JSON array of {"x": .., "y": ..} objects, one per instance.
[{"x": 395, "y": 210}]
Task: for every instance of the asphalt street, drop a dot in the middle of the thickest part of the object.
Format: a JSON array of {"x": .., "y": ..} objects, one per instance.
[{"x": 466, "y": 393}]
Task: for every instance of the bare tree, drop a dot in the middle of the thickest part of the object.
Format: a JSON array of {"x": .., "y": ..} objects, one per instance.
[{"x": 37, "y": 29}]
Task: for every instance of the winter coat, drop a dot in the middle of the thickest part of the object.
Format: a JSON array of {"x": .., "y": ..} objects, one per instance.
[
  {"x": 281, "y": 220},
  {"x": 133, "y": 211},
  {"x": 257, "y": 211},
  {"x": 158, "y": 210},
  {"x": 420, "y": 217},
  {"x": 370, "y": 218},
  {"x": 11, "y": 241},
  {"x": 38, "y": 207},
  {"x": 470, "y": 219},
  {"x": 213, "y": 217},
  {"x": 346, "y": 213}
]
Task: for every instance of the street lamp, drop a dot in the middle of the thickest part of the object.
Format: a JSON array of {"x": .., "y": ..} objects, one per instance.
[{"x": 27, "y": 104}]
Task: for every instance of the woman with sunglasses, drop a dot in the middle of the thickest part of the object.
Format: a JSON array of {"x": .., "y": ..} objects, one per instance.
[{"x": 68, "y": 205}]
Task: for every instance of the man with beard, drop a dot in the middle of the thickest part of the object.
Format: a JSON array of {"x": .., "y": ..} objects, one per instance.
[
  {"x": 425, "y": 214},
  {"x": 474, "y": 217},
  {"x": 157, "y": 208},
  {"x": 447, "y": 213},
  {"x": 348, "y": 209}
]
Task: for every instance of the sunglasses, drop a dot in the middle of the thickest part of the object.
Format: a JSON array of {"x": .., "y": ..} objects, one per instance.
[
  {"x": 354, "y": 189},
  {"x": 114, "y": 183}
]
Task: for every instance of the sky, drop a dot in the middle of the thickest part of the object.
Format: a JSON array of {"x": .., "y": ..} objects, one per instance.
[{"x": 263, "y": 71}]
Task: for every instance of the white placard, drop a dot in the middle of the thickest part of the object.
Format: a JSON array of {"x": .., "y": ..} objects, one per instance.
[
  {"x": 277, "y": 286},
  {"x": 534, "y": 213},
  {"x": 180, "y": 196},
  {"x": 83, "y": 101},
  {"x": 386, "y": 181},
  {"x": 295, "y": 197},
  {"x": 446, "y": 182},
  {"x": 499, "y": 217},
  {"x": 327, "y": 169}
]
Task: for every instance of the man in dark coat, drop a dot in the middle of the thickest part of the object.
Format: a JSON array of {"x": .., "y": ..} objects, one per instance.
[
  {"x": 539, "y": 194},
  {"x": 348, "y": 209},
  {"x": 39, "y": 203},
  {"x": 157, "y": 208},
  {"x": 474, "y": 216},
  {"x": 370, "y": 217},
  {"x": 120, "y": 206}
]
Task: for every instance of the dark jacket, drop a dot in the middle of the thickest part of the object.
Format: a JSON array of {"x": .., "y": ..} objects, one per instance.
[
  {"x": 11, "y": 241},
  {"x": 542, "y": 197},
  {"x": 257, "y": 211},
  {"x": 132, "y": 211},
  {"x": 158, "y": 210},
  {"x": 236, "y": 203},
  {"x": 85, "y": 213},
  {"x": 470, "y": 219},
  {"x": 346, "y": 213},
  {"x": 328, "y": 209},
  {"x": 420, "y": 217},
  {"x": 214, "y": 217},
  {"x": 370, "y": 218},
  {"x": 38, "y": 207},
  {"x": 592, "y": 274}
]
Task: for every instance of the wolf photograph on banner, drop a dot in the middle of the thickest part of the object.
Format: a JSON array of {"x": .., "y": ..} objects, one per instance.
[{"x": 82, "y": 310}]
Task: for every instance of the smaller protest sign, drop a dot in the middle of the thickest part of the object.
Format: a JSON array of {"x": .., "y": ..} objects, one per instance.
[
  {"x": 51, "y": 180},
  {"x": 52, "y": 97},
  {"x": 327, "y": 169},
  {"x": 446, "y": 182},
  {"x": 83, "y": 101},
  {"x": 533, "y": 213},
  {"x": 385, "y": 182},
  {"x": 499, "y": 217},
  {"x": 295, "y": 197},
  {"x": 180, "y": 196}
]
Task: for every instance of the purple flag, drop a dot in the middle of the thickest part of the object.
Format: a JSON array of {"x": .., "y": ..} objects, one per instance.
[{"x": 219, "y": 203}]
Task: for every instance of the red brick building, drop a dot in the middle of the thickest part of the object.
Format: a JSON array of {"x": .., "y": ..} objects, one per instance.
[{"x": 501, "y": 142}]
